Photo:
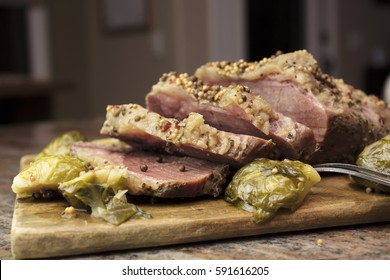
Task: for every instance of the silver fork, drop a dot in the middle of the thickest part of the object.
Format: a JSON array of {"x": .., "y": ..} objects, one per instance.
[{"x": 357, "y": 171}]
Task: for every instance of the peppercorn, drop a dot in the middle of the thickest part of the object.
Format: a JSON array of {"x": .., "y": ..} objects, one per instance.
[
  {"x": 182, "y": 168},
  {"x": 48, "y": 193},
  {"x": 143, "y": 167}
]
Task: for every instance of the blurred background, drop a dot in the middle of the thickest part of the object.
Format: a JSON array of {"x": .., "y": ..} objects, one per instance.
[{"x": 68, "y": 59}]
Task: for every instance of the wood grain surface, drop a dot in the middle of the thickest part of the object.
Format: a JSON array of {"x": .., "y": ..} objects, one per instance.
[{"x": 38, "y": 231}]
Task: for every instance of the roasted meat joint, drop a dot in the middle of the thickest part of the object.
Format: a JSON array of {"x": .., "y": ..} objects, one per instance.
[
  {"x": 245, "y": 131},
  {"x": 343, "y": 119}
]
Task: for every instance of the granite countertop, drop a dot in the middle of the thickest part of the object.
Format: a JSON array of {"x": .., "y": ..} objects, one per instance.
[{"x": 369, "y": 241}]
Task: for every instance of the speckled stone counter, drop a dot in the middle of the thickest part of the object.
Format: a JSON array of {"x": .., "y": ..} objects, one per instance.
[{"x": 369, "y": 241}]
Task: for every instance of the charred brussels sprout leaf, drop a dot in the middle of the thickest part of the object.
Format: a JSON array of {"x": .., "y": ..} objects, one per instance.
[
  {"x": 263, "y": 186},
  {"x": 61, "y": 145},
  {"x": 377, "y": 157},
  {"x": 46, "y": 173},
  {"x": 101, "y": 193}
]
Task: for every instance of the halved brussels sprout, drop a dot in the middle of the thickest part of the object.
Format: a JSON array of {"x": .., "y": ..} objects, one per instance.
[
  {"x": 103, "y": 191},
  {"x": 375, "y": 156},
  {"x": 46, "y": 173},
  {"x": 264, "y": 185}
]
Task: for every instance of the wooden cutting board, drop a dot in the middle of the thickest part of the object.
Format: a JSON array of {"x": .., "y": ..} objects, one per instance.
[{"x": 38, "y": 231}]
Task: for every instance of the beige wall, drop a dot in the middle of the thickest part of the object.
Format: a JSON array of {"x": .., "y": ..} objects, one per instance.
[
  {"x": 190, "y": 29},
  {"x": 120, "y": 68}
]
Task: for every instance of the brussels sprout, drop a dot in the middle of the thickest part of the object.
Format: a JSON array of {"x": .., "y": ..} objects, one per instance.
[
  {"x": 61, "y": 144},
  {"x": 375, "y": 156},
  {"x": 113, "y": 176},
  {"x": 104, "y": 193},
  {"x": 264, "y": 185},
  {"x": 46, "y": 173}
]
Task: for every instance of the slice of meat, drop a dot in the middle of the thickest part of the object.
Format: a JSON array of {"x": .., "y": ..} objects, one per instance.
[
  {"x": 233, "y": 109},
  {"x": 154, "y": 174},
  {"x": 136, "y": 125},
  {"x": 344, "y": 120}
]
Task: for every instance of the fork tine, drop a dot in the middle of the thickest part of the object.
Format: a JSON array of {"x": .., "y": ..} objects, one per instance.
[
  {"x": 354, "y": 167},
  {"x": 355, "y": 170}
]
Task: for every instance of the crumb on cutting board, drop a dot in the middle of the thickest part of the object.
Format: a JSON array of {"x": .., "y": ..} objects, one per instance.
[
  {"x": 69, "y": 212},
  {"x": 320, "y": 242}
]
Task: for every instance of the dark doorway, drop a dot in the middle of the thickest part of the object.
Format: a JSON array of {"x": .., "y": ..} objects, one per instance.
[
  {"x": 274, "y": 25},
  {"x": 13, "y": 36}
]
